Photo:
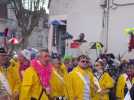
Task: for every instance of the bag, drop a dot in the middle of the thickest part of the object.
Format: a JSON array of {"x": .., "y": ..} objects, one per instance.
[{"x": 112, "y": 95}]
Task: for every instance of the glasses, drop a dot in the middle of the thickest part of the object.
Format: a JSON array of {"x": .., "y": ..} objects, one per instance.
[{"x": 84, "y": 61}]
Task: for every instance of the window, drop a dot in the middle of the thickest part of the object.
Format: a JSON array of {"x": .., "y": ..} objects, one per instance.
[
  {"x": 3, "y": 11},
  {"x": 40, "y": 41}
]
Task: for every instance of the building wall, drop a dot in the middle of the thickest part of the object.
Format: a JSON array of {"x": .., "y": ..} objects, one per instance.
[
  {"x": 86, "y": 16},
  {"x": 39, "y": 39}
]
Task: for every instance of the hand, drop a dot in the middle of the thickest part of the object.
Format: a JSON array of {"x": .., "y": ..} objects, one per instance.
[
  {"x": 10, "y": 97},
  {"x": 104, "y": 91},
  {"x": 15, "y": 96},
  {"x": 75, "y": 98},
  {"x": 48, "y": 90},
  {"x": 96, "y": 88}
]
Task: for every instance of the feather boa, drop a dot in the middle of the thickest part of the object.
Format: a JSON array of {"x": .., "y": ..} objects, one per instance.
[{"x": 44, "y": 72}]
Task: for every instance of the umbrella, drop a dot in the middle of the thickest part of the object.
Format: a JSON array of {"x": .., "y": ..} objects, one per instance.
[
  {"x": 97, "y": 45},
  {"x": 14, "y": 41},
  {"x": 129, "y": 31},
  {"x": 58, "y": 22}
]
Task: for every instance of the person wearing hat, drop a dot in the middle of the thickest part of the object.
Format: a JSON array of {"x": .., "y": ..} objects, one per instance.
[
  {"x": 11, "y": 71},
  {"x": 104, "y": 81},
  {"x": 67, "y": 64},
  {"x": 57, "y": 80},
  {"x": 14, "y": 71},
  {"x": 24, "y": 58},
  {"x": 5, "y": 90}
]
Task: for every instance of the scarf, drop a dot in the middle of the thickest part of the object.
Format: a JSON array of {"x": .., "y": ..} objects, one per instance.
[{"x": 44, "y": 72}]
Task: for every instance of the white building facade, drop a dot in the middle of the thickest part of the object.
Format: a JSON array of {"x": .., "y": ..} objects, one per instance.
[{"x": 86, "y": 16}]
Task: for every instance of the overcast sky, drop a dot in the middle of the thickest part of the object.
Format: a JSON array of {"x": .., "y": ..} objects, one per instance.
[{"x": 27, "y": 4}]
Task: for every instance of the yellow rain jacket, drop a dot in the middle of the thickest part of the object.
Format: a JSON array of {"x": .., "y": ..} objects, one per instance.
[
  {"x": 105, "y": 82},
  {"x": 74, "y": 85},
  {"x": 57, "y": 83},
  {"x": 120, "y": 87},
  {"x": 133, "y": 80},
  {"x": 12, "y": 74},
  {"x": 63, "y": 67},
  {"x": 31, "y": 86}
]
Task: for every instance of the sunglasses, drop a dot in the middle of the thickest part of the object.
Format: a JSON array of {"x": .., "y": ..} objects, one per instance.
[{"x": 84, "y": 61}]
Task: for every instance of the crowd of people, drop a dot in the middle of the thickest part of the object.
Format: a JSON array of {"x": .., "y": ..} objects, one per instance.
[{"x": 36, "y": 75}]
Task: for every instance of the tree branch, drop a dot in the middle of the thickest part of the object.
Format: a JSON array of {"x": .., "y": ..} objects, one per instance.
[{"x": 28, "y": 19}]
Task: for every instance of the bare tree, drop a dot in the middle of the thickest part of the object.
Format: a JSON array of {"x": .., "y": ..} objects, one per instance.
[{"x": 28, "y": 14}]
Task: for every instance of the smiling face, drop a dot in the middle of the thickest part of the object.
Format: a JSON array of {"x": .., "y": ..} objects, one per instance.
[
  {"x": 99, "y": 66},
  {"x": 83, "y": 62}
]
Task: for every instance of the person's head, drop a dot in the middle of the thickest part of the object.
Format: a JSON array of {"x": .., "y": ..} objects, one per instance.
[
  {"x": 67, "y": 60},
  {"x": 82, "y": 36},
  {"x": 83, "y": 61},
  {"x": 75, "y": 62},
  {"x": 44, "y": 56},
  {"x": 56, "y": 62},
  {"x": 3, "y": 56},
  {"x": 99, "y": 65},
  {"x": 24, "y": 56},
  {"x": 129, "y": 69}
]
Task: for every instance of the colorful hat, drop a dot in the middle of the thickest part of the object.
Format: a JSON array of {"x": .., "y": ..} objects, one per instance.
[{"x": 26, "y": 53}]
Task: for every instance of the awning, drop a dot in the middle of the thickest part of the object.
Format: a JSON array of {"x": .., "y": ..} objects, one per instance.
[{"x": 57, "y": 22}]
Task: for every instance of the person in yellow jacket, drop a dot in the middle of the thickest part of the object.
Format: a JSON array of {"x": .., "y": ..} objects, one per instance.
[
  {"x": 104, "y": 81},
  {"x": 79, "y": 83},
  {"x": 67, "y": 63},
  {"x": 10, "y": 70},
  {"x": 57, "y": 79},
  {"x": 5, "y": 89},
  {"x": 31, "y": 86},
  {"x": 124, "y": 83},
  {"x": 12, "y": 74},
  {"x": 35, "y": 84}
]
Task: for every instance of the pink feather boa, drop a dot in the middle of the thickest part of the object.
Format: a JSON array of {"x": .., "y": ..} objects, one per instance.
[{"x": 44, "y": 72}]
